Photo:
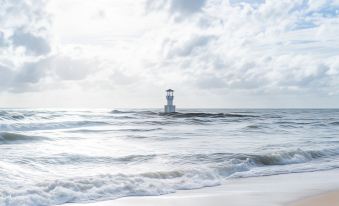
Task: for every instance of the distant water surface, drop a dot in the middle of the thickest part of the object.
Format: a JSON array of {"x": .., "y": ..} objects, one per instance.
[{"x": 53, "y": 157}]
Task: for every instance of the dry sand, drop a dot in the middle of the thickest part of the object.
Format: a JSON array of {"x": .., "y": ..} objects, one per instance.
[{"x": 327, "y": 199}]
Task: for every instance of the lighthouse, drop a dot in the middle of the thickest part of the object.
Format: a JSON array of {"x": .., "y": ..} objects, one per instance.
[{"x": 169, "y": 108}]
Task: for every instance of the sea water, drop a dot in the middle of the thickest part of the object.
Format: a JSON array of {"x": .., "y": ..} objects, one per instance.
[{"x": 50, "y": 157}]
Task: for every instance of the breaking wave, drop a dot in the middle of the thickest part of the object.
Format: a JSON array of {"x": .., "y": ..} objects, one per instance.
[
  {"x": 112, "y": 186},
  {"x": 276, "y": 158},
  {"x": 102, "y": 187}
]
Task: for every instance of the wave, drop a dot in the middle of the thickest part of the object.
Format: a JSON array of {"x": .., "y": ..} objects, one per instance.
[
  {"x": 253, "y": 160},
  {"x": 114, "y": 130},
  {"x": 146, "y": 112},
  {"x": 253, "y": 126},
  {"x": 5, "y": 115},
  {"x": 121, "y": 112},
  {"x": 156, "y": 122},
  {"x": 7, "y": 138},
  {"x": 107, "y": 186},
  {"x": 200, "y": 114},
  {"x": 18, "y": 115},
  {"x": 51, "y": 125},
  {"x": 295, "y": 156},
  {"x": 112, "y": 186},
  {"x": 334, "y": 123},
  {"x": 139, "y": 130},
  {"x": 185, "y": 115},
  {"x": 77, "y": 159},
  {"x": 292, "y": 157}
]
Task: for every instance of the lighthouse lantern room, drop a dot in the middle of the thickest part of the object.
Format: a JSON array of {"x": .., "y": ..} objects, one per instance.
[{"x": 169, "y": 108}]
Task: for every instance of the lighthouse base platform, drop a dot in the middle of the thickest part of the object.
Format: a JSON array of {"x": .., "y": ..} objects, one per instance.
[{"x": 169, "y": 108}]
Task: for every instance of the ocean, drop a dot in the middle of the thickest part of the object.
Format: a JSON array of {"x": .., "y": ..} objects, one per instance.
[{"x": 50, "y": 157}]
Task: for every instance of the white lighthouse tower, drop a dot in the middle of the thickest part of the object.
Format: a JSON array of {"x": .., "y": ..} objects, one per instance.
[{"x": 169, "y": 108}]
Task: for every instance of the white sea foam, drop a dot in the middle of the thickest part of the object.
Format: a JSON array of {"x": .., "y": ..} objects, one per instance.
[{"x": 105, "y": 187}]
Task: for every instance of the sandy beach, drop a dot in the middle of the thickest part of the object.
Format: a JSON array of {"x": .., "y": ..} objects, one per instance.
[
  {"x": 278, "y": 190},
  {"x": 326, "y": 199}
]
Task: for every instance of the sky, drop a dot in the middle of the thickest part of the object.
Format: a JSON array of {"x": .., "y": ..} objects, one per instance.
[{"x": 126, "y": 53}]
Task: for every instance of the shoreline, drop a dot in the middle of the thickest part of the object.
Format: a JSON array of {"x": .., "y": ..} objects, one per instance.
[{"x": 294, "y": 189}]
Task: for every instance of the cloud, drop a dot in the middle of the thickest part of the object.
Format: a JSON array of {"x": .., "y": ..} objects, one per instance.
[
  {"x": 24, "y": 24},
  {"x": 43, "y": 73},
  {"x": 259, "y": 47},
  {"x": 33, "y": 44},
  {"x": 5, "y": 77},
  {"x": 186, "y": 47},
  {"x": 217, "y": 46},
  {"x": 2, "y": 39},
  {"x": 70, "y": 68},
  {"x": 24, "y": 44},
  {"x": 186, "y": 7},
  {"x": 30, "y": 73},
  {"x": 177, "y": 7}
]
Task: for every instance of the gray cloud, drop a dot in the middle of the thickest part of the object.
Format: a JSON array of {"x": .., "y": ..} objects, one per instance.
[
  {"x": 186, "y": 47},
  {"x": 31, "y": 76},
  {"x": 255, "y": 2},
  {"x": 30, "y": 73},
  {"x": 186, "y": 7},
  {"x": 2, "y": 39},
  {"x": 21, "y": 79},
  {"x": 35, "y": 45},
  {"x": 23, "y": 24},
  {"x": 181, "y": 7}
]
